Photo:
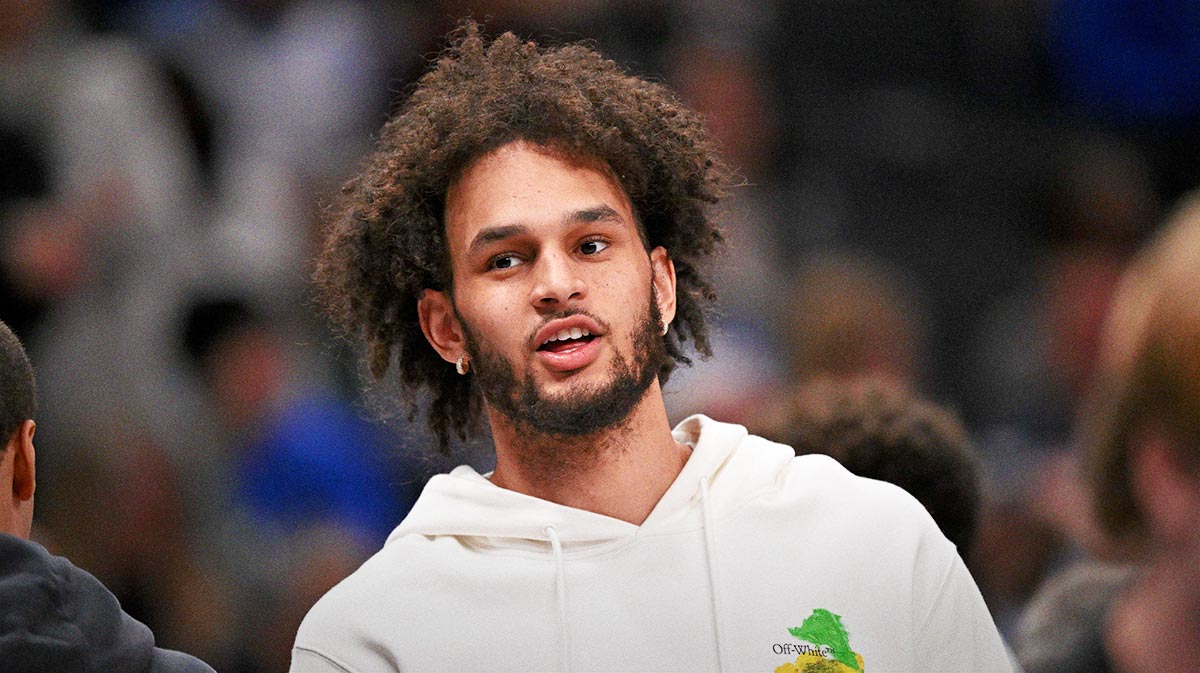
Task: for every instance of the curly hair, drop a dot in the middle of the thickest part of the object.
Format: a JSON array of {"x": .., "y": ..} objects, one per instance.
[{"x": 385, "y": 239}]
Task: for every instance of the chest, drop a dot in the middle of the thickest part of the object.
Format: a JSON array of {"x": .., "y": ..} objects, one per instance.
[{"x": 757, "y": 600}]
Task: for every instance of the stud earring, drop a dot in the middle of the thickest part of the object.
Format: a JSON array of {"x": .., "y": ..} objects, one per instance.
[{"x": 463, "y": 365}]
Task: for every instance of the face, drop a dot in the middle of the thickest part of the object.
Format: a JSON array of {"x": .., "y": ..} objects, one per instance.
[{"x": 555, "y": 298}]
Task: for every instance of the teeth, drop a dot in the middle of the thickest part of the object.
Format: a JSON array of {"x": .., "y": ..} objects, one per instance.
[{"x": 573, "y": 333}]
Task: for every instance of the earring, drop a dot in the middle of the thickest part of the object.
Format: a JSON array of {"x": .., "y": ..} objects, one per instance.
[
  {"x": 463, "y": 365},
  {"x": 666, "y": 327}
]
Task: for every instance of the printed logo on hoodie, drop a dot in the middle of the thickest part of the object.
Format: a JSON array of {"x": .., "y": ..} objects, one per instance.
[{"x": 824, "y": 647}]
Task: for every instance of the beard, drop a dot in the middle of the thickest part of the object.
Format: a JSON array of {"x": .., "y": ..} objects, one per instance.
[{"x": 586, "y": 408}]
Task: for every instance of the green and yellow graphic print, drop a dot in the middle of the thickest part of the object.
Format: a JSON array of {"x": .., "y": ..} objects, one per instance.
[{"x": 828, "y": 649}]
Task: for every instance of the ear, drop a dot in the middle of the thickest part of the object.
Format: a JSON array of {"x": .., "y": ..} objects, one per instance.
[
  {"x": 24, "y": 469},
  {"x": 440, "y": 324},
  {"x": 662, "y": 274}
]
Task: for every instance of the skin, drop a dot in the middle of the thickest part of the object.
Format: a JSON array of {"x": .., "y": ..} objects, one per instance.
[
  {"x": 17, "y": 470},
  {"x": 532, "y": 235}
]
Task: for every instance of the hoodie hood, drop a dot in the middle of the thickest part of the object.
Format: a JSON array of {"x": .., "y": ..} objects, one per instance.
[
  {"x": 465, "y": 503},
  {"x": 716, "y": 476},
  {"x": 57, "y": 617}
]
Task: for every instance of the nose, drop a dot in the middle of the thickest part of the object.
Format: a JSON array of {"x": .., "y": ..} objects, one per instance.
[{"x": 557, "y": 281}]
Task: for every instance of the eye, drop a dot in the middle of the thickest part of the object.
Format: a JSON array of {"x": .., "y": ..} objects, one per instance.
[
  {"x": 592, "y": 247},
  {"x": 506, "y": 261}
]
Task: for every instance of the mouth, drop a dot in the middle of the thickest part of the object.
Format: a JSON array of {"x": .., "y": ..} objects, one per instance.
[
  {"x": 567, "y": 340},
  {"x": 569, "y": 344}
]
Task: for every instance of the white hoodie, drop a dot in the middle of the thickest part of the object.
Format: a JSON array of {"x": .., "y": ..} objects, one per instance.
[{"x": 753, "y": 560}]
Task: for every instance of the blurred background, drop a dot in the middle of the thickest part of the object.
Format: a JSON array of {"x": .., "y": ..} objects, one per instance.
[{"x": 941, "y": 193}]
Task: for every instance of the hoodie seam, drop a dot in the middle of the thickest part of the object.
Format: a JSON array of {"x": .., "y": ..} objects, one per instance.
[
  {"x": 482, "y": 543},
  {"x": 332, "y": 661},
  {"x": 601, "y": 548},
  {"x": 933, "y": 605}
]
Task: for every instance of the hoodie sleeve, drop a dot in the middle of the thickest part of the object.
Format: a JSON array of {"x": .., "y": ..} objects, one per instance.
[
  {"x": 60, "y": 618},
  {"x": 957, "y": 615}
]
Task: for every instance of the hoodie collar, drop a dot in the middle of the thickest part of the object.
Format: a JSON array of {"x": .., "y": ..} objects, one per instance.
[{"x": 466, "y": 503}]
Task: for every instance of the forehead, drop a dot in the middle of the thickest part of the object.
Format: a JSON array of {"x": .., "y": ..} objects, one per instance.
[{"x": 528, "y": 185}]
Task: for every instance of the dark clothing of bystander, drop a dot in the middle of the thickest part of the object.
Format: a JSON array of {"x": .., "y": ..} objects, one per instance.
[{"x": 56, "y": 617}]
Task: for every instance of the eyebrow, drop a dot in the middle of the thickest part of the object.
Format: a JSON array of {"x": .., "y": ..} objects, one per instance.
[{"x": 593, "y": 214}]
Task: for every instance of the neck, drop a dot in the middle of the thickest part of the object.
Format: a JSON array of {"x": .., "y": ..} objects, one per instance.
[{"x": 620, "y": 472}]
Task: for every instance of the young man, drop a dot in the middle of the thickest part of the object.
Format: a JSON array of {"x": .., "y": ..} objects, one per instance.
[
  {"x": 527, "y": 242},
  {"x": 56, "y": 617}
]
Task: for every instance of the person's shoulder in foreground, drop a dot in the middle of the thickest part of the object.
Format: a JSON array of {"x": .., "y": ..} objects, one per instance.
[
  {"x": 54, "y": 617},
  {"x": 753, "y": 560},
  {"x": 60, "y": 618}
]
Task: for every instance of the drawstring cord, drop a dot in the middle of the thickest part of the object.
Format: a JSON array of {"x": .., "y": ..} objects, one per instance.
[
  {"x": 711, "y": 557},
  {"x": 560, "y": 583}
]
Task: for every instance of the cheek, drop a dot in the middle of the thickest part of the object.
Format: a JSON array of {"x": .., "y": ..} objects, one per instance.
[
  {"x": 493, "y": 317},
  {"x": 627, "y": 289}
]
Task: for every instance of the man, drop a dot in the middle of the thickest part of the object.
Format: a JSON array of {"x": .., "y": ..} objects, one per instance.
[
  {"x": 56, "y": 617},
  {"x": 528, "y": 242}
]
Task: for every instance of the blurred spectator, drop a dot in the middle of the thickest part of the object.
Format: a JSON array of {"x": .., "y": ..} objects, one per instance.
[
  {"x": 22, "y": 177},
  {"x": 301, "y": 456},
  {"x": 310, "y": 491},
  {"x": 726, "y": 86},
  {"x": 880, "y": 431},
  {"x": 94, "y": 237},
  {"x": 1062, "y": 628},
  {"x": 1131, "y": 605},
  {"x": 1034, "y": 354},
  {"x": 97, "y": 152},
  {"x": 849, "y": 315},
  {"x": 1141, "y": 432},
  {"x": 1035, "y": 349}
]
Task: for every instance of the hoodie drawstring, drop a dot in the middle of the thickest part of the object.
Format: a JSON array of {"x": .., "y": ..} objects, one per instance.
[
  {"x": 560, "y": 584},
  {"x": 710, "y": 551}
]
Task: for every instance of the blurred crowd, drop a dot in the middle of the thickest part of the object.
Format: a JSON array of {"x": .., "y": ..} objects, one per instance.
[{"x": 943, "y": 195}]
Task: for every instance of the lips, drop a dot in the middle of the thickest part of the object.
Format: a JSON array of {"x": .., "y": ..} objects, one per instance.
[{"x": 570, "y": 343}]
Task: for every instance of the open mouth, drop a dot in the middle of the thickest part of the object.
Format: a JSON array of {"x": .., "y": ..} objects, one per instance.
[{"x": 567, "y": 340}]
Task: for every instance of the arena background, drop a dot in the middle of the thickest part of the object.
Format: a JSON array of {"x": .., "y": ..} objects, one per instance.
[{"x": 938, "y": 192}]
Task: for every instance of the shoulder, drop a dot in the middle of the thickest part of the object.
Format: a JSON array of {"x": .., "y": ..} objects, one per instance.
[
  {"x": 35, "y": 579},
  {"x": 386, "y": 589},
  {"x": 56, "y": 612},
  {"x": 879, "y": 510},
  {"x": 752, "y": 467},
  {"x": 820, "y": 477},
  {"x": 878, "y": 514}
]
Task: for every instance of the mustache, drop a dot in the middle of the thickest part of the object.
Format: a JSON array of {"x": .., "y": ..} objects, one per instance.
[{"x": 558, "y": 315}]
